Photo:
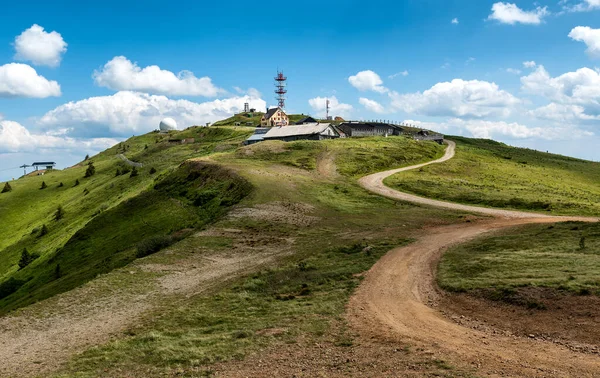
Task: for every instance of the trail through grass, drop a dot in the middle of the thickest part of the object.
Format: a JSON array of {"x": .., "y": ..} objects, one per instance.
[{"x": 488, "y": 173}]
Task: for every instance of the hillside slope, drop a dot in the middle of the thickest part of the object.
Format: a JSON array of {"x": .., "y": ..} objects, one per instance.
[
  {"x": 493, "y": 174},
  {"x": 107, "y": 214}
]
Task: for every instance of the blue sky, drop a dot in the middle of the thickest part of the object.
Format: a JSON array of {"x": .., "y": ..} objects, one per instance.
[{"x": 75, "y": 78}]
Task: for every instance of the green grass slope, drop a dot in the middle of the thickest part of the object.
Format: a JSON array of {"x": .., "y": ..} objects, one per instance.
[
  {"x": 492, "y": 174},
  {"x": 296, "y": 298},
  {"x": 106, "y": 214},
  {"x": 354, "y": 157},
  {"x": 530, "y": 256}
]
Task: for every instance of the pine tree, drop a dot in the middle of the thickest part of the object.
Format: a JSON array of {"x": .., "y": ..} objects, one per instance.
[
  {"x": 59, "y": 214},
  {"x": 7, "y": 188},
  {"x": 86, "y": 157},
  {"x": 44, "y": 186},
  {"x": 134, "y": 172},
  {"x": 25, "y": 259},
  {"x": 44, "y": 230},
  {"x": 76, "y": 182},
  {"x": 90, "y": 171}
]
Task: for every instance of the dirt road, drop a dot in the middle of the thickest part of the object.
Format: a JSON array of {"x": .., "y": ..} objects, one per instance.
[{"x": 392, "y": 301}]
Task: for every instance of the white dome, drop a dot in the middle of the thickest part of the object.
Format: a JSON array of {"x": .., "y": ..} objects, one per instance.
[{"x": 168, "y": 124}]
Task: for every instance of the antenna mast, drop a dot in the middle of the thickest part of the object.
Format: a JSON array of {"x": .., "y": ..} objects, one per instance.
[
  {"x": 24, "y": 166},
  {"x": 280, "y": 88},
  {"x": 327, "y": 109}
]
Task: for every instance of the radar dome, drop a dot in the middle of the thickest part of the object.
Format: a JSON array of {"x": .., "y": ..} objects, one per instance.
[{"x": 168, "y": 124}]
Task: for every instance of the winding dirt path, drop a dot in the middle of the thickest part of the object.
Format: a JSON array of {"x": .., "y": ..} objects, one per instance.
[{"x": 392, "y": 301}]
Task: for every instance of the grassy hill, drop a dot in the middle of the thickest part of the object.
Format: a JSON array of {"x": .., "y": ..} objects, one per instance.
[
  {"x": 107, "y": 214},
  {"x": 489, "y": 173},
  {"x": 296, "y": 203}
]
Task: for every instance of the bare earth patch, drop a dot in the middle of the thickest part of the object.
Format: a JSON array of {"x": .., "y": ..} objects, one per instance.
[
  {"x": 564, "y": 319},
  {"x": 296, "y": 214}
]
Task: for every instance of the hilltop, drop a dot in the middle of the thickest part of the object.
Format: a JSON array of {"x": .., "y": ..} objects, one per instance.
[{"x": 252, "y": 119}]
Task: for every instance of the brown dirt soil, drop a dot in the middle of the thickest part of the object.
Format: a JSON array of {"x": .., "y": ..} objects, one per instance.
[
  {"x": 326, "y": 166},
  {"x": 280, "y": 212},
  {"x": 334, "y": 358},
  {"x": 566, "y": 319}
]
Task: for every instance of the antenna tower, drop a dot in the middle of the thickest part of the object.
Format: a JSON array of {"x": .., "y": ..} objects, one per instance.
[
  {"x": 327, "y": 109},
  {"x": 280, "y": 88},
  {"x": 24, "y": 166}
]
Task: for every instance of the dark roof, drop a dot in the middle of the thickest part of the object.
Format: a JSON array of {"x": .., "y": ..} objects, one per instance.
[
  {"x": 370, "y": 124},
  {"x": 44, "y": 163},
  {"x": 306, "y": 120},
  {"x": 270, "y": 113}
]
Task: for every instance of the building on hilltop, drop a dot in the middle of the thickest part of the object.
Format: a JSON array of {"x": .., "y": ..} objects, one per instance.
[
  {"x": 308, "y": 119},
  {"x": 47, "y": 165},
  {"x": 362, "y": 129},
  {"x": 307, "y": 131},
  {"x": 274, "y": 117},
  {"x": 258, "y": 136},
  {"x": 426, "y": 135}
]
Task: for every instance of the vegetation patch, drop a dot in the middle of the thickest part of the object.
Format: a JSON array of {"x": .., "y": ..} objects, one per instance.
[
  {"x": 192, "y": 196},
  {"x": 301, "y": 297},
  {"x": 488, "y": 173},
  {"x": 532, "y": 256}
]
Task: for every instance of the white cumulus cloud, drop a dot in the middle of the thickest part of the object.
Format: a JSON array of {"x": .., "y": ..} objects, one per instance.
[
  {"x": 371, "y": 105},
  {"x": 581, "y": 87},
  {"x": 126, "y": 113},
  {"x": 458, "y": 98},
  {"x": 529, "y": 64},
  {"x": 501, "y": 130},
  {"x": 513, "y": 71},
  {"x": 589, "y": 36},
  {"x": 40, "y": 47},
  {"x": 455, "y": 21},
  {"x": 367, "y": 81},
  {"x": 336, "y": 108},
  {"x": 14, "y": 138},
  {"x": 22, "y": 80},
  {"x": 508, "y": 13},
  {"x": 584, "y": 6},
  {"x": 565, "y": 114},
  {"x": 123, "y": 75}
]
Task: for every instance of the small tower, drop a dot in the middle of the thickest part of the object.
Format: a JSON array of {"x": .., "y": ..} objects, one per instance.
[
  {"x": 246, "y": 107},
  {"x": 327, "y": 109},
  {"x": 280, "y": 89}
]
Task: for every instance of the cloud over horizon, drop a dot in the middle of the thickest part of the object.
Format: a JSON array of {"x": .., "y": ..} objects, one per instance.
[
  {"x": 126, "y": 113},
  {"x": 121, "y": 74},
  {"x": 22, "y": 80}
]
